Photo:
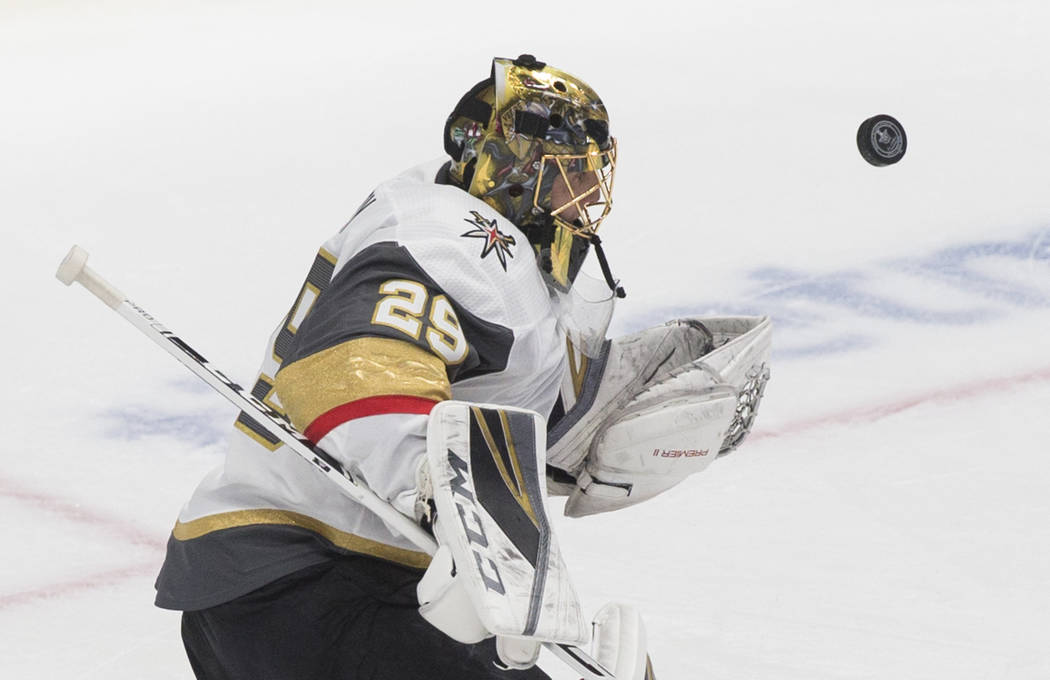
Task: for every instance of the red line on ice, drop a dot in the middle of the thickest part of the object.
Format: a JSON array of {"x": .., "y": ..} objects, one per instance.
[
  {"x": 115, "y": 526},
  {"x": 78, "y": 513},
  {"x": 977, "y": 388},
  {"x": 89, "y": 582}
]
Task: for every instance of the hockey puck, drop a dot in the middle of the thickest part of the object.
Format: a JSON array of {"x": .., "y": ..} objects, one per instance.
[{"x": 881, "y": 140}]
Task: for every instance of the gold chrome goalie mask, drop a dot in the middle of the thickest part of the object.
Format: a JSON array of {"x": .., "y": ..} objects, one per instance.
[{"x": 533, "y": 142}]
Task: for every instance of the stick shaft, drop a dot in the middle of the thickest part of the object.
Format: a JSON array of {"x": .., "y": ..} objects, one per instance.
[{"x": 74, "y": 268}]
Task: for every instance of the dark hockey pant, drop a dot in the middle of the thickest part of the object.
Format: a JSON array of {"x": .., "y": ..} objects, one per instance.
[{"x": 352, "y": 618}]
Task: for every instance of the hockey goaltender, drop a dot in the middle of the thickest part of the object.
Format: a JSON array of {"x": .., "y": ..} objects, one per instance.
[{"x": 447, "y": 350}]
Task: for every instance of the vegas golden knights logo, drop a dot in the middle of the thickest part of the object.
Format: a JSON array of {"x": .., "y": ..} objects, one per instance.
[{"x": 495, "y": 240}]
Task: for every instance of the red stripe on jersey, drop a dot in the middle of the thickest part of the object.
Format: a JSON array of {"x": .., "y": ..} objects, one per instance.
[{"x": 369, "y": 406}]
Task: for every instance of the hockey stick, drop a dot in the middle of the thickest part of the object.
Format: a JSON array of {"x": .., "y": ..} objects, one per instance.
[{"x": 74, "y": 268}]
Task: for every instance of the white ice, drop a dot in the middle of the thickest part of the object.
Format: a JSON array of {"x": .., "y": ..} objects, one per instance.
[{"x": 890, "y": 516}]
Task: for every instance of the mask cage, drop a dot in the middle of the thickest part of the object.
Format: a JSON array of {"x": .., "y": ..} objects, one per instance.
[{"x": 588, "y": 182}]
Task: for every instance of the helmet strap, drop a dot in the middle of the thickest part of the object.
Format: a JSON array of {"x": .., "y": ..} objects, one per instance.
[
  {"x": 541, "y": 235},
  {"x": 603, "y": 262}
]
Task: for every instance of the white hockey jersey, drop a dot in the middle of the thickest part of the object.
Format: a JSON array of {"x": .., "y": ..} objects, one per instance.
[{"x": 426, "y": 294}]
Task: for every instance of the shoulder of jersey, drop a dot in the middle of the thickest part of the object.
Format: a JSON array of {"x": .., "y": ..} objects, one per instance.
[
  {"x": 437, "y": 218},
  {"x": 473, "y": 254}
]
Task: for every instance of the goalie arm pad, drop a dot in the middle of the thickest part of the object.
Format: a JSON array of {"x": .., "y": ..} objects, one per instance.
[
  {"x": 484, "y": 466},
  {"x": 658, "y": 406}
]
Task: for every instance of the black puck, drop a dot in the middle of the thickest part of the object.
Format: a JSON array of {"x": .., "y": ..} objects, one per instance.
[{"x": 881, "y": 140}]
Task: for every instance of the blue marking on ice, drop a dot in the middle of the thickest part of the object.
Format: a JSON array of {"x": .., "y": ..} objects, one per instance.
[
  {"x": 835, "y": 345},
  {"x": 198, "y": 424},
  {"x": 955, "y": 266},
  {"x": 134, "y": 423},
  {"x": 821, "y": 303},
  {"x": 847, "y": 290}
]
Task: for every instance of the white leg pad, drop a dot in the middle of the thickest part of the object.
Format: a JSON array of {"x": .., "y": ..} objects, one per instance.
[
  {"x": 517, "y": 653},
  {"x": 619, "y": 642}
]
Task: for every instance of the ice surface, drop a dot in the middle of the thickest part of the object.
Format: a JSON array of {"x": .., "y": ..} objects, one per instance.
[{"x": 889, "y": 517}]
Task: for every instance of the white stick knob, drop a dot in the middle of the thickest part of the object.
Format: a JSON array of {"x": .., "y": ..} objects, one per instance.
[
  {"x": 71, "y": 267},
  {"x": 74, "y": 268}
]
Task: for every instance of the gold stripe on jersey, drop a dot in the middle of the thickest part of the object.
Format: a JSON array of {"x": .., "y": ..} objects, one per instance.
[
  {"x": 259, "y": 439},
  {"x": 358, "y": 369},
  {"x": 341, "y": 539},
  {"x": 263, "y": 390},
  {"x": 327, "y": 256}
]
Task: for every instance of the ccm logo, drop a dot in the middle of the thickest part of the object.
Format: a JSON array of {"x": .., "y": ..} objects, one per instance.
[
  {"x": 470, "y": 522},
  {"x": 679, "y": 453}
]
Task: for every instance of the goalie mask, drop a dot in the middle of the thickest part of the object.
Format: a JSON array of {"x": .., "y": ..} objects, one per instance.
[{"x": 533, "y": 142}]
